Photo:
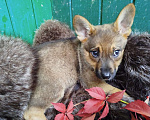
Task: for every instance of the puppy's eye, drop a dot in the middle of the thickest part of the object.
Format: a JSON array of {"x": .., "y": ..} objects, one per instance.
[
  {"x": 95, "y": 54},
  {"x": 116, "y": 53}
]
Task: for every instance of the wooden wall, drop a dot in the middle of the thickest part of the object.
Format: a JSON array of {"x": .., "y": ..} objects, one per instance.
[{"x": 20, "y": 18}]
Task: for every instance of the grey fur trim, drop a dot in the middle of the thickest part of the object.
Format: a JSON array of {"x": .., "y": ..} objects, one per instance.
[{"x": 16, "y": 64}]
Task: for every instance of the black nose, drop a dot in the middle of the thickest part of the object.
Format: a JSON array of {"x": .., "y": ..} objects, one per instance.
[{"x": 105, "y": 73}]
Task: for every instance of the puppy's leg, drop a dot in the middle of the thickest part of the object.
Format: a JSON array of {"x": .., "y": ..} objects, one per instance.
[
  {"x": 109, "y": 89},
  {"x": 34, "y": 113}
]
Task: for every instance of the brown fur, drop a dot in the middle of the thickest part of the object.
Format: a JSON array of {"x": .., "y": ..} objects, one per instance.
[
  {"x": 54, "y": 68},
  {"x": 64, "y": 62},
  {"x": 52, "y": 30}
]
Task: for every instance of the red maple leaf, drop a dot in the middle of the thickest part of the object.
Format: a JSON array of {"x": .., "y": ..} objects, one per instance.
[
  {"x": 66, "y": 114},
  {"x": 61, "y": 116},
  {"x": 82, "y": 113},
  {"x": 89, "y": 118},
  {"x": 93, "y": 105},
  {"x": 105, "y": 111},
  {"x": 132, "y": 117},
  {"x": 98, "y": 101},
  {"x": 147, "y": 118},
  {"x": 97, "y": 93},
  {"x": 60, "y": 107},
  {"x": 115, "y": 97},
  {"x": 138, "y": 106}
]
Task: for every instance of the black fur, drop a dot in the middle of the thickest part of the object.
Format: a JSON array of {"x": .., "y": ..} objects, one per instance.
[{"x": 134, "y": 71}]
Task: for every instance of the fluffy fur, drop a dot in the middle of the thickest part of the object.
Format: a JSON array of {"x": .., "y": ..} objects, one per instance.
[
  {"x": 18, "y": 69},
  {"x": 16, "y": 80},
  {"x": 133, "y": 75},
  {"x": 134, "y": 71},
  {"x": 14, "y": 95},
  {"x": 52, "y": 30},
  {"x": 64, "y": 62}
]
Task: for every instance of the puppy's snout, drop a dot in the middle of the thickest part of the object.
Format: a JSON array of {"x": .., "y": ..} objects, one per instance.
[{"x": 105, "y": 73}]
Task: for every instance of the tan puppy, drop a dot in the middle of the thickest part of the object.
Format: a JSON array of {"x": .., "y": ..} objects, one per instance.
[{"x": 91, "y": 58}]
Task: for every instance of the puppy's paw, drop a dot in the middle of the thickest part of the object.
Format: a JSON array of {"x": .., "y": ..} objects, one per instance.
[{"x": 34, "y": 113}]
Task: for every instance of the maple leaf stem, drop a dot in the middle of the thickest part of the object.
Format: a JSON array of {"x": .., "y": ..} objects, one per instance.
[
  {"x": 79, "y": 103},
  {"x": 67, "y": 117},
  {"x": 124, "y": 102},
  {"x": 136, "y": 116},
  {"x": 76, "y": 104}
]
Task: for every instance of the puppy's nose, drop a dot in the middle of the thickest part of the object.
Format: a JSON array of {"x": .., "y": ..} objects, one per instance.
[{"x": 105, "y": 73}]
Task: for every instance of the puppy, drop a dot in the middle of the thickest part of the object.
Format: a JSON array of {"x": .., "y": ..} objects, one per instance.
[{"x": 91, "y": 58}]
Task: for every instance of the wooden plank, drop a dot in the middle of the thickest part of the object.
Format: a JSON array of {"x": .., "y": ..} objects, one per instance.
[
  {"x": 5, "y": 22},
  {"x": 42, "y": 11},
  {"x": 111, "y": 9},
  {"x": 142, "y": 16},
  {"x": 22, "y": 17},
  {"x": 61, "y": 11},
  {"x": 90, "y": 9}
]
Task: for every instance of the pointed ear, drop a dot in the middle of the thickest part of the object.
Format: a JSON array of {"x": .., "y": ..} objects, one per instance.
[
  {"x": 82, "y": 28},
  {"x": 125, "y": 20}
]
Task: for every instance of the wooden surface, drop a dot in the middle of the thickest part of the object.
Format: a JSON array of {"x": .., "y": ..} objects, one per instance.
[{"x": 20, "y": 18}]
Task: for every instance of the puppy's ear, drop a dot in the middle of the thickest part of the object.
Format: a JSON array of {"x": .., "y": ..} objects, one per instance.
[
  {"x": 125, "y": 20},
  {"x": 82, "y": 28}
]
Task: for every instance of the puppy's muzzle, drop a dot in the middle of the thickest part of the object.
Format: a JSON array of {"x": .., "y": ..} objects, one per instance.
[{"x": 105, "y": 73}]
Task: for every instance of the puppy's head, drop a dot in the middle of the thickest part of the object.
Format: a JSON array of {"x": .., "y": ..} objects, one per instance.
[{"x": 103, "y": 45}]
